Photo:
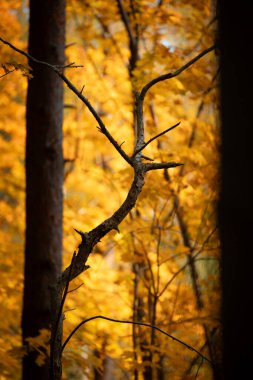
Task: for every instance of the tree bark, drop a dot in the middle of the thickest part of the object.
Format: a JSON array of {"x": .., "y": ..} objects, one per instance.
[
  {"x": 44, "y": 174},
  {"x": 236, "y": 201}
]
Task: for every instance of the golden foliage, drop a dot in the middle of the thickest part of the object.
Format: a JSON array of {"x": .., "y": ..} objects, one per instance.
[{"x": 173, "y": 223}]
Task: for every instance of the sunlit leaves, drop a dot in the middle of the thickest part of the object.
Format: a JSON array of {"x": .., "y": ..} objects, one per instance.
[{"x": 97, "y": 181}]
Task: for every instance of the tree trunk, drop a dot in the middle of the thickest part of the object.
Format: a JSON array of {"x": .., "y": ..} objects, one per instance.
[
  {"x": 44, "y": 174},
  {"x": 236, "y": 199}
]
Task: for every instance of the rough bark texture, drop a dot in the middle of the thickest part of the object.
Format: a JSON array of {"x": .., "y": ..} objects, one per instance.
[
  {"x": 236, "y": 201},
  {"x": 44, "y": 173}
]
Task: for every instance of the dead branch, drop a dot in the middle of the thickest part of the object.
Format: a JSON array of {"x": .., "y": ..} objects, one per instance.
[
  {"x": 93, "y": 237},
  {"x": 79, "y": 94},
  {"x": 155, "y": 137},
  {"x": 161, "y": 165},
  {"x": 163, "y": 77},
  {"x": 7, "y": 72}
]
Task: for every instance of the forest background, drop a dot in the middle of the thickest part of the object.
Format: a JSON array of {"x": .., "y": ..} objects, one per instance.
[{"x": 163, "y": 264}]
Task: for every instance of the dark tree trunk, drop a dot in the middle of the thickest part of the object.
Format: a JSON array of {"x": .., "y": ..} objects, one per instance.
[
  {"x": 236, "y": 198},
  {"x": 44, "y": 174}
]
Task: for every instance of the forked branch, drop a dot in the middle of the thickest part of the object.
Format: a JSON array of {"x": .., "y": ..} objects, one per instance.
[
  {"x": 90, "y": 239},
  {"x": 154, "y": 138},
  {"x": 93, "y": 237}
]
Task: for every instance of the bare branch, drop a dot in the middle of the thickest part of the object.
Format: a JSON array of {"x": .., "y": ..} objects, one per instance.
[
  {"x": 155, "y": 137},
  {"x": 147, "y": 158},
  {"x": 70, "y": 45},
  {"x": 90, "y": 239},
  {"x": 28, "y": 55},
  {"x": 58, "y": 70},
  {"x": 93, "y": 237},
  {"x": 77, "y": 287},
  {"x": 69, "y": 66},
  {"x": 175, "y": 73},
  {"x": 8, "y": 72},
  {"x": 102, "y": 126},
  {"x": 161, "y": 165},
  {"x": 82, "y": 89},
  {"x": 133, "y": 323}
]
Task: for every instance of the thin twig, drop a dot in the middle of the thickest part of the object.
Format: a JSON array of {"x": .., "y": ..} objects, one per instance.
[
  {"x": 133, "y": 323},
  {"x": 69, "y": 66},
  {"x": 70, "y": 45},
  {"x": 147, "y": 158},
  {"x": 175, "y": 73},
  {"x": 77, "y": 287},
  {"x": 68, "y": 310},
  {"x": 155, "y": 137},
  {"x": 82, "y": 89},
  {"x": 102, "y": 126},
  {"x": 161, "y": 165},
  {"x": 79, "y": 95},
  {"x": 8, "y": 72},
  {"x": 28, "y": 55}
]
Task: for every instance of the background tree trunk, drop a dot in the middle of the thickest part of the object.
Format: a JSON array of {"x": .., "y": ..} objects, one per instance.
[
  {"x": 236, "y": 199},
  {"x": 44, "y": 173}
]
